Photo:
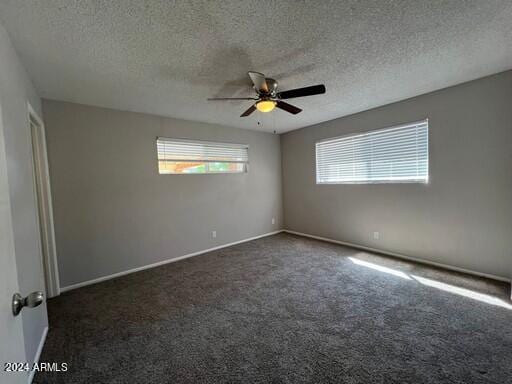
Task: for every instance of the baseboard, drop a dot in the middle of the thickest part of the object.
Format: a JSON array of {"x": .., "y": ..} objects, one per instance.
[
  {"x": 133, "y": 270},
  {"x": 38, "y": 354},
  {"x": 400, "y": 256}
]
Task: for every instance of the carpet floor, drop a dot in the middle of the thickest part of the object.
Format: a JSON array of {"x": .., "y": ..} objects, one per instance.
[{"x": 283, "y": 309}]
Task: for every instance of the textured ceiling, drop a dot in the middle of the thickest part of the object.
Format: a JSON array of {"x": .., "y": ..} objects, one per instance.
[{"x": 167, "y": 57}]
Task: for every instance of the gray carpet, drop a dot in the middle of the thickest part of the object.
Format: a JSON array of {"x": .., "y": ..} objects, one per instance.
[{"x": 282, "y": 309}]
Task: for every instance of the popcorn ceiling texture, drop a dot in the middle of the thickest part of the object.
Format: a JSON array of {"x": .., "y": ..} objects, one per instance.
[{"x": 167, "y": 57}]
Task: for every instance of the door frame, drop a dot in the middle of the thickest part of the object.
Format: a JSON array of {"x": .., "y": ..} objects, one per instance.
[{"x": 43, "y": 202}]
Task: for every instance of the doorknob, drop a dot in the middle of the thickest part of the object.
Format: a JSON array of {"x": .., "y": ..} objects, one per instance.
[{"x": 31, "y": 301}]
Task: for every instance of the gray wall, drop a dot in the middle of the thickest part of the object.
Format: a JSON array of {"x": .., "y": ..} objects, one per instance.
[
  {"x": 463, "y": 217},
  {"x": 114, "y": 212},
  {"x": 15, "y": 91}
]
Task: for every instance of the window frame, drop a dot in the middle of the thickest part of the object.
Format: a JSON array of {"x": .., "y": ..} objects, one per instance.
[
  {"x": 360, "y": 133},
  {"x": 204, "y": 142}
]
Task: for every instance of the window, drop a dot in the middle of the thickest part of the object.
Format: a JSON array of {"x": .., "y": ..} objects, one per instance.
[
  {"x": 392, "y": 155},
  {"x": 176, "y": 156}
]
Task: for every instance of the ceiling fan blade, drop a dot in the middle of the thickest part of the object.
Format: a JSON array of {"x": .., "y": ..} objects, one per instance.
[
  {"x": 251, "y": 109},
  {"x": 288, "y": 107},
  {"x": 259, "y": 81},
  {"x": 300, "y": 92},
  {"x": 232, "y": 98}
]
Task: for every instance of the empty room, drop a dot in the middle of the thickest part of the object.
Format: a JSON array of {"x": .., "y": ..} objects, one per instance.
[{"x": 255, "y": 191}]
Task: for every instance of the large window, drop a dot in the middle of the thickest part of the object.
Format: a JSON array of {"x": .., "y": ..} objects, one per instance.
[
  {"x": 392, "y": 155},
  {"x": 176, "y": 156}
]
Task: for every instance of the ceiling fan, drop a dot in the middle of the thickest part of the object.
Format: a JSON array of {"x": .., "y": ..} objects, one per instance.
[{"x": 268, "y": 98}]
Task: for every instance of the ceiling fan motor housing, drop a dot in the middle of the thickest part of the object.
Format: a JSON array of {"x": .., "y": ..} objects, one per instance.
[{"x": 272, "y": 88}]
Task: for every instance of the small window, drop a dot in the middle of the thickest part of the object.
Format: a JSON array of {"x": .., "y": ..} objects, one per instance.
[
  {"x": 392, "y": 155},
  {"x": 176, "y": 156}
]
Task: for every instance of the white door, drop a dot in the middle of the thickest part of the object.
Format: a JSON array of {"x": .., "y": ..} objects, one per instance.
[{"x": 12, "y": 346}]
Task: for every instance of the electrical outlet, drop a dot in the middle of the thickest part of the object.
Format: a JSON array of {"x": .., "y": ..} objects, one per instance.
[
  {"x": 273, "y": 221},
  {"x": 376, "y": 235},
  {"x": 214, "y": 234}
]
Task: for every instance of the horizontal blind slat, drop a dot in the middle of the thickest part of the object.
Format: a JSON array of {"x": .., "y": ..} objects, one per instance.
[
  {"x": 393, "y": 154},
  {"x": 171, "y": 152},
  {"x": 187, "y": 151}
]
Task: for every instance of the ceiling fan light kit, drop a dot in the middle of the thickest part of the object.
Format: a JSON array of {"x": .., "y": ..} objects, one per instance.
[
  {"x": 268, "y": 98},
  {"x": 265, "y": 105}
]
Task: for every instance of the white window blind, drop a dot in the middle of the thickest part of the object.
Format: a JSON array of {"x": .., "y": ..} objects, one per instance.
[
  {"x": 390, "y": 155},
  {"x": 189, "y": 156}
]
